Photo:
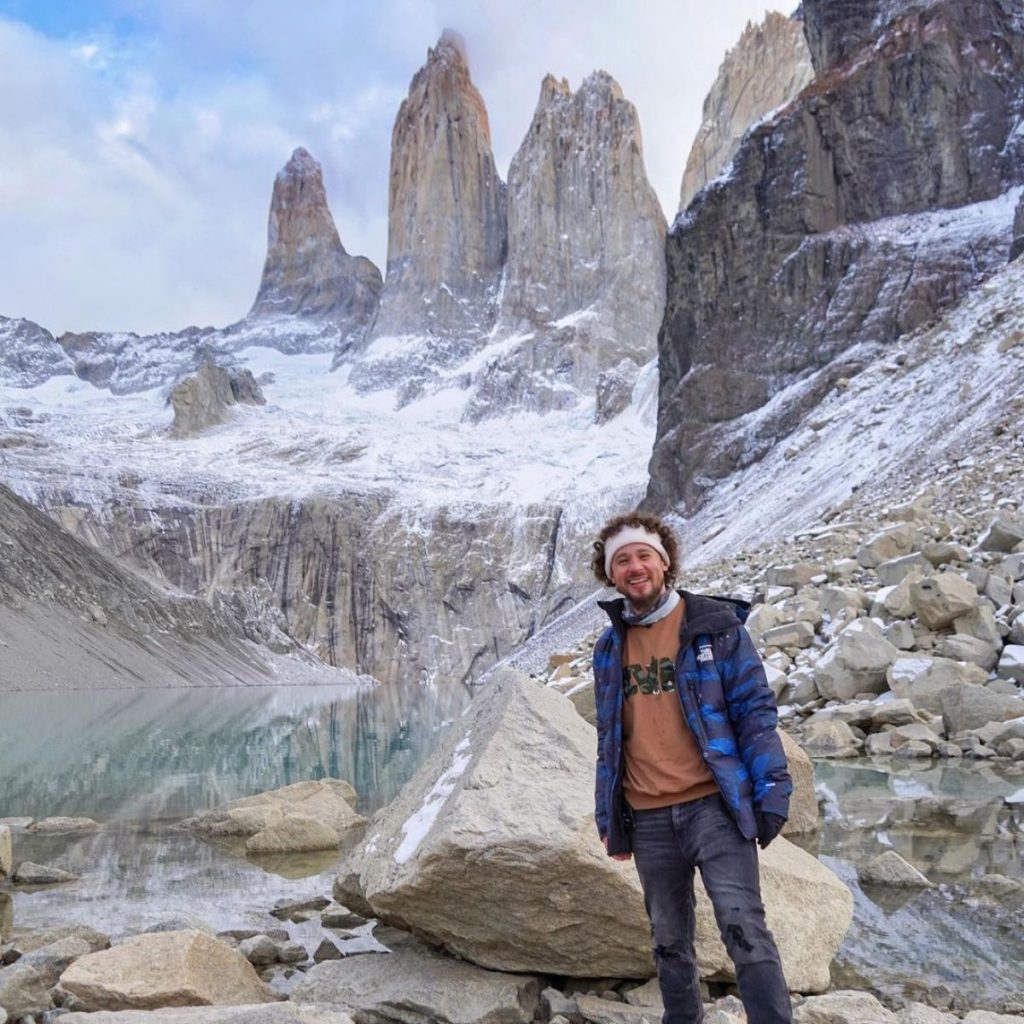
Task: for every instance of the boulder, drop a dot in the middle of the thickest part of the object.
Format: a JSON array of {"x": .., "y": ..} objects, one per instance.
[
  {"x": 939, "y": 600},
  {"x": 23, "y": 991},
  {"x": 796, "y": 575},
  {"x": 272, "y": 1013},
  {"x": 420, "y": 987},
  {"x": 896, "y": 601},
  {"x": 328, "y": 801},
  {"x": 890, "y": 869},
  {"x": 1004, "y": 533},
  {"x": 791, "y": 634},
  {"x": 886, "y": 545},
  {"x": 971, "y": 707},
  {"x": 259, "y": 950},
  {"x": 294, "y": 833},
  {"x": 915, "y": 733},
  {"x": 980, "y": 623},
  {"x": 1011, "y": 663},
  {"x": 803, "y": 804},
  {"x": 203, "y": 399},
  {"x": 840, "y": 601},
  {"x": 601, "y": 1010},
  {"x": 455, "y": 858},
  {"x": 843, "y": 1008},
  {"x": 30, "y": 941},
  {"x": 831, "y": 739},
  {"x": 962, "y": 647},
  {"x": 892, "y": 712},
  {"x": 942, "y": 552},
  {"x": 925, "y": 681},
  {"x": 188, "y": 968},
  {"x": 855, "y": 662},
  {"x": 51, "y": 961},
  {"x": 896, "y": 569},
  {"x": 28, "y": 873},
  {"x": 6, "y": 851}
]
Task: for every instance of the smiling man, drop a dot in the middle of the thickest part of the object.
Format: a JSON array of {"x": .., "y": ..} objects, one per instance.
[{"x": 690, "y": 768}]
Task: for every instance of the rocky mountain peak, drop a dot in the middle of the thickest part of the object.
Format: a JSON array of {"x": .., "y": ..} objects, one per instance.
[
  {"x": 884, "y": 193},
  {"x": 584, "y": 283},
  {"x": 767, "y": 67},
  {"x": 446, "y": 221},
  {"x": 307, "y": 271}
]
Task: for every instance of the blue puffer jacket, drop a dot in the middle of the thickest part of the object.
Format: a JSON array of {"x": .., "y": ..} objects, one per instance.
[{"x": 726, "y": 702}]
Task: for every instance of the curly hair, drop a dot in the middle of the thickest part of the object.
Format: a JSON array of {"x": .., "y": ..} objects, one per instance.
[{"x": 645, "y": 522}]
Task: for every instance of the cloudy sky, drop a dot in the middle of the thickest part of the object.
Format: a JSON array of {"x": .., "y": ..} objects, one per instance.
[{"x": 140, "y": 138}]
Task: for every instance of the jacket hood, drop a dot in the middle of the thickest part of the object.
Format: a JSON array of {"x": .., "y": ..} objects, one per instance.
[{"x": 704, "y": 615}]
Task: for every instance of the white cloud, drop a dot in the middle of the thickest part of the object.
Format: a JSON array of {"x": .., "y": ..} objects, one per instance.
[{"x": 138, "y": 163}]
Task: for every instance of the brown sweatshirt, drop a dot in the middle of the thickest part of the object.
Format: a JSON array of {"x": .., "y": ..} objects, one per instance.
[{"x": 663, "y": 762}]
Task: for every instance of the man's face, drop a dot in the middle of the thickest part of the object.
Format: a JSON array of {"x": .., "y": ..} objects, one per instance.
[{"x": 638, "y": 574}]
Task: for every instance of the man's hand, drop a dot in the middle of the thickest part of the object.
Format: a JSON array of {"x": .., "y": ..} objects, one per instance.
[
  {"x": 768, "y": 827},
  {"x": 623, "y": 856}
]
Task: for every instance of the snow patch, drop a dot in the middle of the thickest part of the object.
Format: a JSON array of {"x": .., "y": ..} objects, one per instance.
[{"x": 417, "y": 825}]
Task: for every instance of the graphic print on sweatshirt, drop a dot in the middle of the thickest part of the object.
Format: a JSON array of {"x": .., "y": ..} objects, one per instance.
[{"x": 657, "y": 676}]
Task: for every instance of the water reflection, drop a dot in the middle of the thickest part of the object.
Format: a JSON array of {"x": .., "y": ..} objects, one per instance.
[{"x": 151, "y": 755}]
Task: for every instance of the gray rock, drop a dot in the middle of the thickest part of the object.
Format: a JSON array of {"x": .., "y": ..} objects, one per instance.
[
  {"x": 830, "y": 739},
  {"x": 604, "y": 1011},
  {"x": 418, "y": 987},
  {"x": 943, "y": 552},
  {"x": 648, "y": 994},
  {"x": 259, "y": 950},
  {"x": 294, "y": 833},
  {"x": 23, "y": 991},
  {"x": 890, "y": 869},
  {"x": 896, "y": 569},
  {"x": 925, "y": 681},
  {"x": 843, "y": 1008},
  {"x": 273, "y": 1013},
  {"x": 791, "y": 634},
  {"x": 1004, "y": 533},
  {"x": 327, "y": 950},
  {"x": 972, "y": 706},
  {"x": 1011, "y": 663},
  {"x": 286, "y": 909},
  {"x": 555, "y": 1003},
  {"x": 797, "y": 575},
  {"x": 180, "y": 923},
  {"x": 292, "y": 953},
  {"x": 338, "y": 916},
  {"x": 939, "y": 600},
  {"x": 886, "y": 545},
  {"x": 980, "y": 623},
  {"x": 52, "y": 960},
  {"x": 963, "y": 647},
  {"x": 203, "y": 400},
  {"x": 28, "y": 873},
  {"x": 855, "y": 662}
]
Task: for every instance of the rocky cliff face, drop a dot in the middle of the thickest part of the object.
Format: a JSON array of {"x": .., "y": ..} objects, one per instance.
[
  {"x": 446, "y": 213},
  {"x": 767, "y": 67},
  {"x": 584, "y": 283},
  {"x": 74, "y": 618},
  {"x": 29, "y": 354},
  {"x": 307, "y": 272},
  {"x": 364, "y": 585},
  {"x": 850, "y": 218}
]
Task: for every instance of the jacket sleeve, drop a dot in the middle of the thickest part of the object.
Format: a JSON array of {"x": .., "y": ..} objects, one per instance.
[
  {"x": 754, "y": 717},
  {"x": 602, "y": 777}
]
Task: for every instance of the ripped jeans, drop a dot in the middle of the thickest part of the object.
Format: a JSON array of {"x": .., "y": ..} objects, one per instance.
[{"x": 668, "y": 843}]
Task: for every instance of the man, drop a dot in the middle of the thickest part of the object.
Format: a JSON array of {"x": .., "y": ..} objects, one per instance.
[{"x": 690, "y": 768}]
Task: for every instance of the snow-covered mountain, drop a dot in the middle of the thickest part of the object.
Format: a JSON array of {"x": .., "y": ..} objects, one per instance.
[{"x": 418, "y": 503}]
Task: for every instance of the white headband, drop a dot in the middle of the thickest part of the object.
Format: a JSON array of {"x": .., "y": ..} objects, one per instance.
[{"x": 631, "y": 535}]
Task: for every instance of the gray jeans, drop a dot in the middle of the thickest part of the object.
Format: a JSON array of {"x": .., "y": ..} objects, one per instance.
[{"x": 668, "y": 843}]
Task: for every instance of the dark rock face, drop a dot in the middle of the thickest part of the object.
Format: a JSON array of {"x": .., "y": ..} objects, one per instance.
[
  {"x": 307, "y": 272},
  {"x": 835, "y": 233},
  {"x": 1017, "y": 246}
]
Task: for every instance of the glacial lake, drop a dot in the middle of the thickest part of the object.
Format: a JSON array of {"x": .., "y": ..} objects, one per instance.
[{"x": 139, "y": 761}]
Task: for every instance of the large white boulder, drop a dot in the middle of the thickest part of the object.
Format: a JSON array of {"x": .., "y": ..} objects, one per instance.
[
  {"x": 856, "y": 662},
  {"x": 939, "y": 600},
  {"x": 491, "y": 852},
  {"x": 187, "y": 968},
  {"x": 927, "y": 682}
]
